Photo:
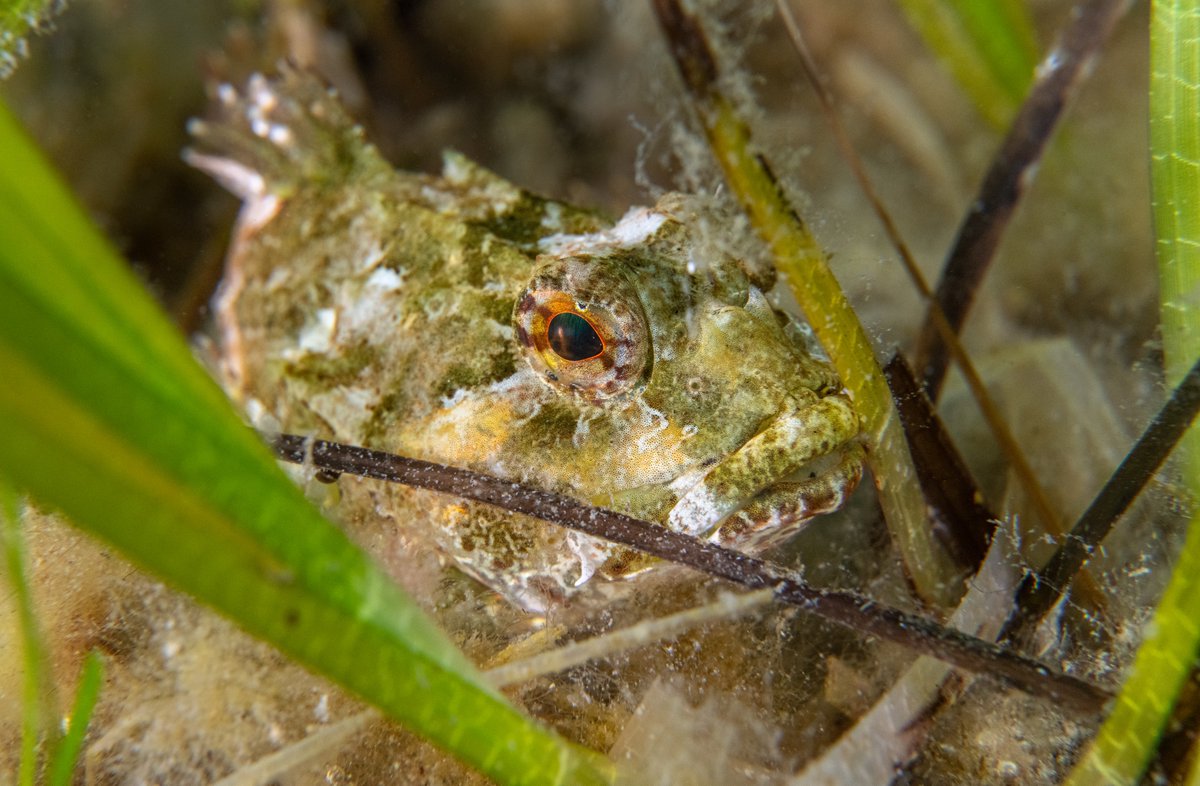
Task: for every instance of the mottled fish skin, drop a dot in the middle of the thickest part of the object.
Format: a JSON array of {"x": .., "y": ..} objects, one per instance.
[{"x": 424, "y": 315}]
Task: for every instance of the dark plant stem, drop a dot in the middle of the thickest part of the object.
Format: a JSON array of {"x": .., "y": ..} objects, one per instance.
[
  {"x": 1039, "y": 591},
  {"x": 991, "y": 412},
  {"x": 1009, "y": 176},
  {"x": 935, "y": 576},
  {"x": 847, "y": 609},
  {"x": 1177, "y": 751},
  {"x": 949, "y": 488}
]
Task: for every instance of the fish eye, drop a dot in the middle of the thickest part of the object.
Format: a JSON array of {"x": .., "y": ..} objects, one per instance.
[
  {"x": 573, "y": 338},
  {"x": 581, "y": 328}
]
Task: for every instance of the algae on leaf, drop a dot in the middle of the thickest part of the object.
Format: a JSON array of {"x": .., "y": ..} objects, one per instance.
[{"x": 18, "y": 19}]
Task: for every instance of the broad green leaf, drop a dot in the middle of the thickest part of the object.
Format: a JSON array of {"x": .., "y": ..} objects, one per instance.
[
  {"x": 1130, "y": 734},
  {"x": 107, "y": 417}
]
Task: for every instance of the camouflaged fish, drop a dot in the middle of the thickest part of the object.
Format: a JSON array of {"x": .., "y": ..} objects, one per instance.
[{"x": 459, "y": 319}]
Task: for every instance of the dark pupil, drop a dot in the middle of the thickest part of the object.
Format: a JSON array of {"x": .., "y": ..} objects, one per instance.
[{"x": 573, "y": 338}]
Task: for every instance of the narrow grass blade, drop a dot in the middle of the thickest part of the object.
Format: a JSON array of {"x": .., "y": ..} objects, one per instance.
[
  {"x": 34, "y": 699},
  {"x": 988, "y": 46},
  {"x": 66, "y": 753},
  {"x": 1129, "y": 736},
  {"x": 1008, "y": 178},
  {"x": 1041, "y": 590},
  {"x": 802, "y": 262},
  {"x": 107, "y": 418},
  {"x": 948, "y": 485},
  {"x": 848, "y": 609}
]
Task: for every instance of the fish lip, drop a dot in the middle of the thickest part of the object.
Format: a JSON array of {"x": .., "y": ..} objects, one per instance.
[{"x": 690, "y": 486}]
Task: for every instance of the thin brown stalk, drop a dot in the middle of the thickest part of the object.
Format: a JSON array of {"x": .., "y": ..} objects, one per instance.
[
  {"x": 945, "y": 479},
  {"x": 1088, "y": 589},
  {"x": 843, "y": 608},
  {"x": 1178, "y": 750},
  {"x": 1040, "y": 591},
  {"x": 1011, "y": 172},
  {"x": 935, "y": 575}
]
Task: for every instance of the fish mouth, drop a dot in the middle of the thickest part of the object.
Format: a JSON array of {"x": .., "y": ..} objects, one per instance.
[
  {"x": 803, "y": 463},
  {"x": 783, "y": 508},
  {"x": 777, "y": 511},
  {"x": 700, "y": 509}
]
